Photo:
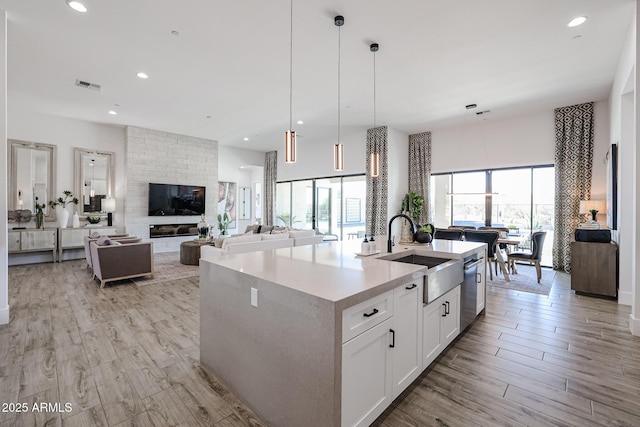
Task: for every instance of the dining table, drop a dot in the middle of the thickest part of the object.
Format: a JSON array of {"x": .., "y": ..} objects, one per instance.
[{"x": 511, "y": 242}]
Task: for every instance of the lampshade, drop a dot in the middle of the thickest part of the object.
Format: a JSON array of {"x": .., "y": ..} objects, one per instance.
[
  {"x": 109, "y": 205},
  {"x": 586, "y": 206}
]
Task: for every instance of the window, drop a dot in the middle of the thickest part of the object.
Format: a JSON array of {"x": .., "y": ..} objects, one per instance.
[{"x": 518, "y": 198}]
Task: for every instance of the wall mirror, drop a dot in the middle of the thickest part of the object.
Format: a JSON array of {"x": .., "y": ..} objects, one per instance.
[
  {"x": 244, "y": 205},
  {"x": 94, "y": 179},
  {"x": 32, "y": 173}
]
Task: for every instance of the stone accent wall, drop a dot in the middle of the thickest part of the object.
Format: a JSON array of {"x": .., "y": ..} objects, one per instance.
[{"x": 166, "y": 158}]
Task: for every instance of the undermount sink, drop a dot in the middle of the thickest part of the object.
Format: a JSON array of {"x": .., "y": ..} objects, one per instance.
[
  {"x": 429, "y": 261},
  {"x": 443, "y": 274}
]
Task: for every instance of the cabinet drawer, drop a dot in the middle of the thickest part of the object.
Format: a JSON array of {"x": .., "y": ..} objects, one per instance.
[{"x": 367, "y": 314}]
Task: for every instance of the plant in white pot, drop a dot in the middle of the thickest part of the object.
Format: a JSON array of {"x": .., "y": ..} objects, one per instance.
[{"x": 60, "y": 205}]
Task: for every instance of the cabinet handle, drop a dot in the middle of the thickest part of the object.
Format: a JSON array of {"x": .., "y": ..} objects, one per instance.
[
  {"x": 375, "y": 311},
  {"x": 393, "y": 338},
  {"x": 411, "y": 287},
  {"x": 446, "y": 309},
  {"x": 444, "y": 313},
  {"x": 479, "y": 278}
]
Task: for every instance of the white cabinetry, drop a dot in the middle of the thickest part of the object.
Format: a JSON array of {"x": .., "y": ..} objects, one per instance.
[
  {"x": 366, "y": 375},
  {"x": 406, "y": 336},
  {"x": 381, "y": 352},
  {"x": 440, "y": 325},
  {"x": 33, "y": 240}
]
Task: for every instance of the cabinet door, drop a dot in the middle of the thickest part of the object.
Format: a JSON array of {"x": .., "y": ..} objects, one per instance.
[
  {"x": 450, "y": 323},
  {"x": 72, "y": 237},
  {"x": 431, "y": 331},
  {"x": 406, "y": 337},
  {"x": 13, "y": 240},
  {"x": 38, "y": 239},
  {"x": 481, "y": 280},
  {"x": 366, "y": 375},
  {"x": 107, "y": 231}
]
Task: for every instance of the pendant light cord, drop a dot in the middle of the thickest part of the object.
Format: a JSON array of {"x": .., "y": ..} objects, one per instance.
[
  {"x": 291, "y": 69},
  {"x": 339, "y": 31},
  {"x": 374, "y": 90}
]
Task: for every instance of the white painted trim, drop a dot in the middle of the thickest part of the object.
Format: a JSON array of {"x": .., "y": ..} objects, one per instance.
[
  {"x": 4, "y": 316},
  {"x": 625, "y": 298},
  {"x": 634, "y": 325}
]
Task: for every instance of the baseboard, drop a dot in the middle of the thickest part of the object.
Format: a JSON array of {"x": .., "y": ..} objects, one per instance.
[
  {"x": 4, "y": 315},
  {"x": 625, "y": 298},
  {"x": 634, "y": 325}
]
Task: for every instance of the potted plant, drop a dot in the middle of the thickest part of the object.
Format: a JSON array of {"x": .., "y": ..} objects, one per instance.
[
  {"x": 63, "y": 217},
  {"x": 424, "y": 234},
  {"x": 412, "y": 205},
  {"x": 223, "y": 223},
  {"x": 39, "y": 214}
]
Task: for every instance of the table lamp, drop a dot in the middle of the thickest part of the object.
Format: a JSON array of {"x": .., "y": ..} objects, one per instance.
[
  {"x": 592, "y": 207},
  {"x": 109, "y": 206}
]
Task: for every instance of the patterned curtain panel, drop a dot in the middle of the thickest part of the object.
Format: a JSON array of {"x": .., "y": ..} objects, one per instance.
[
  {"x": 269, "y": 190},
  {"x": 420, "y": 170},
  {"x": 573, "y": 164},
  {"x": 377, "y": 188}
]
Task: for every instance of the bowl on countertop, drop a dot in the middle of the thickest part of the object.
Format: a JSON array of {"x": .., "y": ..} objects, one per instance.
[{"x": 93, "y": 219}]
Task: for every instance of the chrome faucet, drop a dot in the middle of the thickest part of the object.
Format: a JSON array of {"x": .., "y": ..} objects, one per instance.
[{"x": 413, "y": 229}]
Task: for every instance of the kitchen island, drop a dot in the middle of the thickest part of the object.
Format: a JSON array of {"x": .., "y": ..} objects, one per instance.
[{"x": 290, "y": 330}]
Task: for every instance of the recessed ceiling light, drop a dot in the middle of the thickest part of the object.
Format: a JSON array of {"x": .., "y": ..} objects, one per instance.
[
  {"x": 142, "y": 75},
  {"x": 208, "y": 117},
  {"x": 246, "y": 139},
  {"x": 77, "y": 6},
  {"x": 300, "y": 122},
  {"x": 113, "y": 113},
  {"x": 577, "y": 21},
  {"x": 175, "y": 33}
]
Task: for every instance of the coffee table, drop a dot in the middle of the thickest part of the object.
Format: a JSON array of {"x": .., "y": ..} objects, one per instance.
[{"x": 190, "y": 251}]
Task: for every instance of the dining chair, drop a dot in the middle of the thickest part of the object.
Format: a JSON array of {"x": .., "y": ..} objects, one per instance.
[
  {"x": 448, "y": 233},
  {"x": 462, "y": 227},
  {"x": 532, "y": 257},
  {"x": 490, "y": 237}
]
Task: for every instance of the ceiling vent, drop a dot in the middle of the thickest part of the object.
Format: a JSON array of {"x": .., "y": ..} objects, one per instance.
[{"x": 87, "y": 85}]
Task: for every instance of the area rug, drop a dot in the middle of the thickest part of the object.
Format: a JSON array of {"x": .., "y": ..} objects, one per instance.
[
  {"x": 526, "y": 280},
  {"x": 167, "y": 267}
]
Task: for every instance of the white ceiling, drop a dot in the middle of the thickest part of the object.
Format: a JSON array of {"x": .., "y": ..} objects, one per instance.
[{"x": 231, "y": 62}]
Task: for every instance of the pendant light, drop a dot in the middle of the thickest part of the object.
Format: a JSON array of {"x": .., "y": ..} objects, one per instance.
[
  {"x": 338, "y": 148},
  {"x": 290, "y": 135},
  {"x": 375, "y": 157}
]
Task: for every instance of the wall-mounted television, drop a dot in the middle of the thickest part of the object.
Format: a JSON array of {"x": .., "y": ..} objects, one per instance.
[{"x": 173, "y": 199}]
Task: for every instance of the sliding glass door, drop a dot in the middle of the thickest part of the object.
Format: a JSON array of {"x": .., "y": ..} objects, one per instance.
[{"x": 332, "y": 206}]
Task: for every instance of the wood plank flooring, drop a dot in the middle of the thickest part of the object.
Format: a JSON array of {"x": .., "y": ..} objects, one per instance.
[{"x": 129, "y": 356}]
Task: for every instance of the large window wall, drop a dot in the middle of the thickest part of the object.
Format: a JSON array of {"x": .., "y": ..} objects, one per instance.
[
  {"x": 518, "y": 198},
  {"x": 334, "y": 206}
]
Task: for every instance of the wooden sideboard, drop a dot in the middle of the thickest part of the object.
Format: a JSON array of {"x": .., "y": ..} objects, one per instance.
[
  {"x": 594, "y": 268},
  {"x": 33, "y": 240},
  {"x": 54, "y": 240}
]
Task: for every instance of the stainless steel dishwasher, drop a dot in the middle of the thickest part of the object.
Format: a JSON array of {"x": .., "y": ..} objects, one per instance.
[{"x": 469, "y": 291}]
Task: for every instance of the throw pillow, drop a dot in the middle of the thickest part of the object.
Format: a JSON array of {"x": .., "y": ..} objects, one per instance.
[
  {"x": 277, "y": 236},
  {"x": 252, "y": 229},
  {"x": 240, "y": 239},
  {"x": 301, "y": 233},
  {"x": 266, "y": 228},
  {"x": 279, "y": 230},
  {"x": 103, "y": 241}
]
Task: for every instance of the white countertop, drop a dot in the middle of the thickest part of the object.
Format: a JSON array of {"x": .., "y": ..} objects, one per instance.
[{"x": 332, "y": 271}]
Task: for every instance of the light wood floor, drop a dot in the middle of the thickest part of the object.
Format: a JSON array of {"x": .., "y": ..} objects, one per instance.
[{"x": 128, "y": 356}]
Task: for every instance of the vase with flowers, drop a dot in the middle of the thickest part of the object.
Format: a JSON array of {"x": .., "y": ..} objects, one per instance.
[
  {"x": 61, "y": 203},
  {"x": 39, "y": 214}
]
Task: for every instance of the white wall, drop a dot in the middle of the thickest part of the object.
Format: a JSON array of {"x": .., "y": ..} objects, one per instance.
[
  {"x": 315, "y": 158},
  {"x": 398, "y": 173},
  {"x": 244, "y": 167},
  {"x": 623, "y": 108},
  {"x": 4, "y": 280}
]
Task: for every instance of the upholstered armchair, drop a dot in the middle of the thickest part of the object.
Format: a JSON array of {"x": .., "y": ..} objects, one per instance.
[{"x": 121, "y": 261}]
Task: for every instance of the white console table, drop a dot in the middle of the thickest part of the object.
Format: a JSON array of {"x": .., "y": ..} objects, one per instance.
[
  {"x": 73, "y": 238},
  {"x": 33, "y": 240}
]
